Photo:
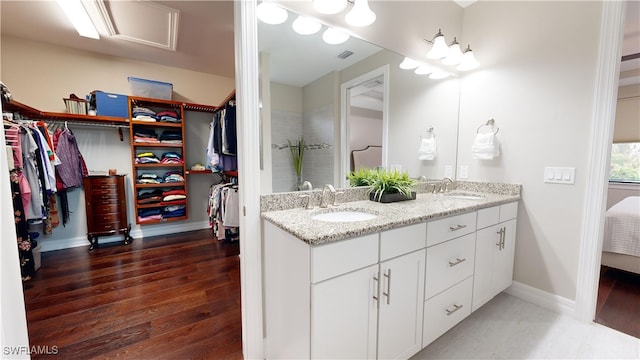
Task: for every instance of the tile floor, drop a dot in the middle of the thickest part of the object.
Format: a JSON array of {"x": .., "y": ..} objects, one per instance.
[{"x": 510, "y": 328}]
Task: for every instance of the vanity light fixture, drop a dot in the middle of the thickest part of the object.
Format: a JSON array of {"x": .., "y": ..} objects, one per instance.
[
  {"x": 329, "y": 6},
  {"x": 334, "y": 36},
  {"x": 77, "y": 14},
  {"x": 305, "y": 26},
  {"x": 439, "y": 48},
  {"x": 361, "y": 14},
  {"x": 424, "y": 70},
  {"x": 468, "y": 61},
  {"x": 271, "y": 14},
  {"x": 409, "y": 63},
  {"x": 438, "y": 74},
  {"x": 455, "y": 54}
]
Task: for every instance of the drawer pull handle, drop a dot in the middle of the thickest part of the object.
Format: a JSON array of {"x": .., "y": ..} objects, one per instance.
[
  {"x": 455, "y": 308},
  {"x": 460, "y": 226},
  {"x": 375, "y": 296},
  {"x": 458, "y": 261},
  {"x": 502, "y": 234},
  {"x": 388, "y": 293}
]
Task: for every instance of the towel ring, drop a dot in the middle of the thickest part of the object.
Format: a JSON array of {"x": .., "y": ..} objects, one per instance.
[
  {"x": 490, "y": 124},
  {"x": 430, "y": 131}
]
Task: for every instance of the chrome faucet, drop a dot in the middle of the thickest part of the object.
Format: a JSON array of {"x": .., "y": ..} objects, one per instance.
[
  {"x": 444, "y": 185},
  {"x": 323, "y": 202}
]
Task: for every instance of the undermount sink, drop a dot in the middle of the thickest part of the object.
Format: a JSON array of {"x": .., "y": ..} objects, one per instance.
[
  {"x": 464, "y": 196},
  {"x": 344, "y": 216}
]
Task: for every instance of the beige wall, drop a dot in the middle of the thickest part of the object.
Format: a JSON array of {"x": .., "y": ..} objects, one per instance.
[
  {"x": 40, "y": 75},
  {"x": 627, "y": 127},
  {"x": 539, "y": 62}
]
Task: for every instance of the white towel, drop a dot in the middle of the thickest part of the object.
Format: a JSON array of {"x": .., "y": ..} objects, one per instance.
[
  {"x": 485, "y": 147},
  {"x": 427, "y": 150}
]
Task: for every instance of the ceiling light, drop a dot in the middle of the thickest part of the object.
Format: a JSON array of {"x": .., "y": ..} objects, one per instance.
[
  {"x": 438, "y": 74},
  {"x": 334, "y": 36},
  {"x": 329, "y": 6},
  {"x": 439, "y": 48},
  {"x": 306, "y": 26},
  {"x": 271, "y": 14},
  {"x": 360, "y": 15},
  {"x": 424, "y": 70},
  {"x": 468, "y": 61},
  {"x": 77, "y": 14},
  {"x": 408, "y": 64},
  {"x": 455, "y": 54}
]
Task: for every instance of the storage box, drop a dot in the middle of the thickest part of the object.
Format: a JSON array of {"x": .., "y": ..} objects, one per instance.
[
  {"x": 108, "y": 104},
  {"x": 150, "y": 88}
]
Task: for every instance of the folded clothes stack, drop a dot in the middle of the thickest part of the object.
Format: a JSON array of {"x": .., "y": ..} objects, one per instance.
[
  {"x": 173, "y": 176},
  {"x": 149, "y": 214},
  {"x": 168, "y": 116},
  {"x": 174, "y": 211},
  {"x": 171, "y": 157},
  {"x": 149, "y": 178},
  {"x": 174, "y": 196},
  {"x": 147, "y": 158},
  {"x": 140, "y": 113},
  {"x": 145, "y": 135},
  {"x": 148, "y": 196},
  {"x": 171, "y": 137}
]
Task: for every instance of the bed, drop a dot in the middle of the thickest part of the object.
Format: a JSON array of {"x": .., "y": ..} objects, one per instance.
[{"x": 621, "y": 245}]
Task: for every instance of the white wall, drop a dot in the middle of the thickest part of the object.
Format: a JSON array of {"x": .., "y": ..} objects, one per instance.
[
  {"x": 286, "y": 125},
  {"x": 40, "y": 75},
  {"x": 537, "y": 80}
]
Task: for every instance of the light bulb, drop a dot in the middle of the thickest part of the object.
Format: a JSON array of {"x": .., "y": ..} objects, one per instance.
[
  {"x": 468, "y": 61},
  {"x": 334, "y": 36},
  {"x": 424, "y": 70},
  {"x": 455, "y": 54},
  {"x": 305, "y": 26},
  {"x": 408, "y": 64},
  {"x": 439, "y": 48},
  {"x": 271, "y": 14},
  {"x": 360, "y": 15},
  {"x": 329, "y": 6},
  {"x": 438, "y": 74}
]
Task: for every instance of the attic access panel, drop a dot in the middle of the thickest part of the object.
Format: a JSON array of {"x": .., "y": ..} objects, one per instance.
[{"x": 141, "y": 22}]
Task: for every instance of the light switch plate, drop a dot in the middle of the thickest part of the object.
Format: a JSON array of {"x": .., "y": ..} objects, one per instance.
[
  {"x": 464, "y": 172},
  {"x": 448, "y": 171},
  {"x": 560, "y": 175}
]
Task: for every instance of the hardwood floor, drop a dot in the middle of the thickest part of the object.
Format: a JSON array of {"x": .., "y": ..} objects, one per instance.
[
  {"x": 618, "y": 305},
  {"x": 173, "y": 297}
]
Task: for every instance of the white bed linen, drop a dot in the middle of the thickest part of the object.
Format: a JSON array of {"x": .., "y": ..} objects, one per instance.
[{"x": 622, "y": 227}]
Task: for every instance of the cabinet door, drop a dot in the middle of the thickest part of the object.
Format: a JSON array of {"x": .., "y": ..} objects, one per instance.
[
  {"x": 503, "y": 258},
  {"x": 401, "y": 306},
  {"x": 487, "y": 240},
  {"x": 344, "y": 316}
]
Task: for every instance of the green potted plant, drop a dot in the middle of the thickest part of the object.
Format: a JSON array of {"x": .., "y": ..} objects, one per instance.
[
  {"x": 362, "y": 177},
  {"x": 297, "y": 155},
  {"x": 391, "y": 186}
]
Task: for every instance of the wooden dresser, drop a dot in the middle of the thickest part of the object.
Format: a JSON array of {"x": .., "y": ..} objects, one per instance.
[{"x": 106, "y": 207}]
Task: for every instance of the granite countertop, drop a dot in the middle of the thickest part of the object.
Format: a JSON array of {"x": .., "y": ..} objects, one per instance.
[{"x": 427, "y": 206}]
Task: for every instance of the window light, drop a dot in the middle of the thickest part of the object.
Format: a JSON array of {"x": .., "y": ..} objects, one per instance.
[{"x": 77, "y": 14}]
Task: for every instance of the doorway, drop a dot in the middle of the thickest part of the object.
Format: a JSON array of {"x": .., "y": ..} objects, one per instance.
[{"x": 364, "y": 122}]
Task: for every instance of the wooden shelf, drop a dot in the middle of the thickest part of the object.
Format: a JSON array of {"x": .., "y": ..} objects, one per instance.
[
  {"x": 35, "y": 114},
  {"x": 139, "y": 144},
  {"x": 161, "y": 221},
  {"x": 160, "y": 204},
  {"x": 161, "y": 185},
  {"x": 144, "y": 166},
  {"x": 156, "y": 123},
  {"x": 193, "y": 172}
]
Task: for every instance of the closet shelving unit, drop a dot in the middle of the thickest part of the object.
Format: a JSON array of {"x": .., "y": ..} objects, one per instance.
[
  {"x": 35, "y": 114},
  {"x": 158, "y": 149}
]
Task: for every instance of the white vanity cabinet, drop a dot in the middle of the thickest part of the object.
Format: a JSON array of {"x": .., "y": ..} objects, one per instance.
[
  {"x": 356, "y": 298},
  {"x": 495, "y": 250},
  {"x": 449, "y": 274}
]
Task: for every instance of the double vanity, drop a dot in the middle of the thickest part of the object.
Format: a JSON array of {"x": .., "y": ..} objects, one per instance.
[{"x": 371, "y": 280}]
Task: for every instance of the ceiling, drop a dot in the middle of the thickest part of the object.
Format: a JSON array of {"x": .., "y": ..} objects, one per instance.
[{"x": 204, "y": 41}]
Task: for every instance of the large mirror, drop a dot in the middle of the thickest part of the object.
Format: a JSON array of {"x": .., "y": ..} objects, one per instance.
[{"x": 345, "y": 98}]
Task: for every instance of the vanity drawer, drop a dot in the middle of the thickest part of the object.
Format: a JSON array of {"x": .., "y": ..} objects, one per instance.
[
  {"x": 449, "y": 263},
  {"x": 448, "y": 228},
  {"x": 402, "y": 240},
  {"x": 508, "y": 211},
  {"x": 343, "y": 256},
  {"x": 445, "y": 310},
  {"x": 489, "y": 216}
]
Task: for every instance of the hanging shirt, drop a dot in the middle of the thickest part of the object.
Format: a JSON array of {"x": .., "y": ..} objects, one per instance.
[
  {"x": 70, "y": 169},
  {"x": 30, "y": 171}
]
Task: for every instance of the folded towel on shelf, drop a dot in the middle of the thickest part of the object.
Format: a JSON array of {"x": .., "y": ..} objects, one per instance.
[
  {"x": 485, "y": 147},
  {"x": 427, "y": 150}
]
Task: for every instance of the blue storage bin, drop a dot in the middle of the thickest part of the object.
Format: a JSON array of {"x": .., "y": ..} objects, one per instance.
[
  {"x": 108, "y": 104},
  {"x": 150, "y": 88}
]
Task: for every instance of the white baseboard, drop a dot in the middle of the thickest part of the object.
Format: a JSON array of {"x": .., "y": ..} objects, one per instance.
[
  {"x": 140, "y": 232},
  {"x": 542, "y": 298}
]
